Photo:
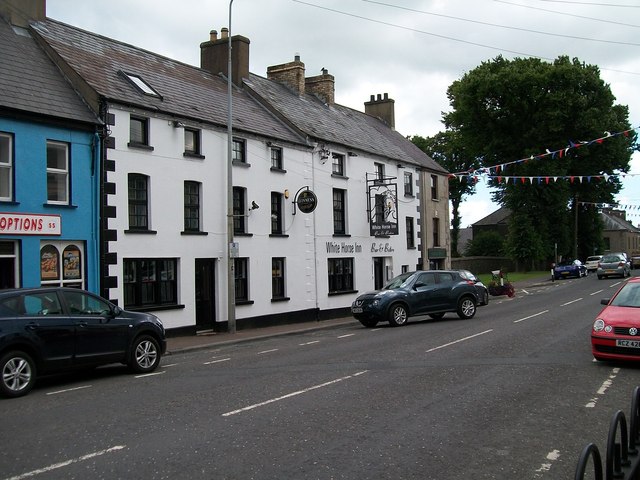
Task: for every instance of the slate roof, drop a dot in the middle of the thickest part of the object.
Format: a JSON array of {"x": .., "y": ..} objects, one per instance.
[
  {"x": 30, "y": 83},
  {"x": 500, "y": 216},
  {"x": 615, "y": 222},
  {"x": 339, "y": 124},
  {"x": 186, "y": 91}
]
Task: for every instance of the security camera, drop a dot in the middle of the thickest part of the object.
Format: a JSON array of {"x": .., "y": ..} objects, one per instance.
[{"x": 254, "y": 205}]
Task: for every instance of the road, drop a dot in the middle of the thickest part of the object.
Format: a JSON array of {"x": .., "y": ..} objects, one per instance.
[{"x": 513, "y": 393}]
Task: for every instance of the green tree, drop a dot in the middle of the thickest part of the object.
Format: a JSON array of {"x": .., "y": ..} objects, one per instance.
[
  {"x": 506, "y": 111},
  {"x": 447, "y": 150},
  {"x": 486, "y": 244}
]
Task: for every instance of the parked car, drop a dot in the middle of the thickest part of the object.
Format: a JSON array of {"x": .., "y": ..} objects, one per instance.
[
  {"x": 613, "y": 264},
  {"x": 433, "y": 292},
  {"x": 47, "y": 330},
  {"x": 592, "y": 262},
  {"x": 635, "y": 260},
  {"x": 616, "y": 331},
  {"x": 570, "y": 268}
]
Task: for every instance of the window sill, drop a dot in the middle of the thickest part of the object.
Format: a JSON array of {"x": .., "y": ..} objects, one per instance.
[
  {"x": 244, "y": 302},
  {"x": 280, "y": 299},
  {"x": 59, "y": 205},
  {"x": 154, "y": 308},
  {"x": 342, "y": 235},
  {"x": 9, "y": 202},
  {"x": 278, "y": 170},
  {"x": 283, "y": 235},
  {"x": 336, "y": 175},
  {"x": 236, "y": 163},
  {"x": 193, "y": 155},
  {"x": 242, "y": 234},
  {"x": 143, "y": 232},
  {"x": 140, "y": 146},
  {"x": 343, "y": 292},
  {"x": 409, "y": 195},
  {"x": 185, "y": 232}
]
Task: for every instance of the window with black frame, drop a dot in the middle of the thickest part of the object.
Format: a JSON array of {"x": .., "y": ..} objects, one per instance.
[
  {"x": 150, "y": 282},
  {"x": 277, "y": 278},
  {"x": 239, "y": 210},
  {"x": 340, "y": 275},
  {"x": 339, "y": 212},
  {"x": 276, "y": 213},
  {"x": 138, "y": 201},
  {"x": 241, "y": 266},
  {"x": 191, "y": 206}
]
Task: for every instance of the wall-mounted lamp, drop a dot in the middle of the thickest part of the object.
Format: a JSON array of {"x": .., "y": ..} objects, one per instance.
[
  {"x": 400, "y": 165},
  {"x": 324, "y": 154},
  {"x": 254, "y": 206},
  {"x": 286, "y": 193},
  {"x": 352, "y": 154},
  {"x": 269, "y": 143},
  {"x": 178, "y": 124}
]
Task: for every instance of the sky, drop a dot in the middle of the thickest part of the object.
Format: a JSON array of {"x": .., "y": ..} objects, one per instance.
[{"x": 411, "y": 49}]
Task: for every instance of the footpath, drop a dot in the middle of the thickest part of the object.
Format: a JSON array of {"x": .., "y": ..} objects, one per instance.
[{"x": 181, "y": 344}]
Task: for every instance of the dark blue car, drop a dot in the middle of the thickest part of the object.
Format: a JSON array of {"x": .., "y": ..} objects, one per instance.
[
  {"x": 432, "y": 292},
  {"x": 47, "y": 330},
  {"x": 570, "y": 268}
]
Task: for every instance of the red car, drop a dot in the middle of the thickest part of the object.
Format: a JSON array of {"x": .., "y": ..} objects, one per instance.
[{"x": 616, "y": 331}]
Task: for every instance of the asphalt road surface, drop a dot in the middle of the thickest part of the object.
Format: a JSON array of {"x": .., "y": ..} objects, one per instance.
[{"x": 513, "y": 393}]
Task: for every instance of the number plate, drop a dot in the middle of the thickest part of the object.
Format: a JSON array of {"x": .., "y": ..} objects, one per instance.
[
  {"x": 628, "y": 343},
  {"x": 356, "y": 310}
]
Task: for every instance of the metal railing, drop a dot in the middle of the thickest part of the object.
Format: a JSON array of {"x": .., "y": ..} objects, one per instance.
[{"x": 623, "y": 456}]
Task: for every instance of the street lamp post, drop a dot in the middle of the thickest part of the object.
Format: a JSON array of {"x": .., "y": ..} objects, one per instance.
[{"x": 231, "y": 280}]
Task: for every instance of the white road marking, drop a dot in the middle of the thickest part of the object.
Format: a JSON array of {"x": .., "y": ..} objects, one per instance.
[
  {"x": 217, "y": 361},
  {"x": 150, "y": 374},
  {"x": 347, "y": 335},
  {"x": 458, "y": 341},
  {"x": 552, "y": 456},
  {"x": 293, "y": 394},
  {"x": 531, "y": 316},
  {"x": 170, "y": 365},
  {"x": 69, "y": 390},
  {"x": 523, "y": 290},
  {"x": 309, "y": 343},
  {"x": 55, "y": 466},
  {"x": 572, "y": 301},
  {"x": 596, "y": 292},
  {"x": 268, "y": 351},
  {"x": 603, "y": 388}
]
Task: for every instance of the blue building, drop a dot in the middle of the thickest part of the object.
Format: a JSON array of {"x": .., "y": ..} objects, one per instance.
[{"x": 49, "y": 169}]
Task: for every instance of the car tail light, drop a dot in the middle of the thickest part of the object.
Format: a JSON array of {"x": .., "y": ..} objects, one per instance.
[{"x": 621, "y": 264}]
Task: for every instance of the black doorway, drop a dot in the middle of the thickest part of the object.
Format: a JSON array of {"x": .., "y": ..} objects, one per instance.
[{"x": 205, "y": 294}]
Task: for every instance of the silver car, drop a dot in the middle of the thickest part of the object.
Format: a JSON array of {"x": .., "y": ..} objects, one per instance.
[
  {"x": 592, "y": 262},
  {"x": 613, "y": 264}
]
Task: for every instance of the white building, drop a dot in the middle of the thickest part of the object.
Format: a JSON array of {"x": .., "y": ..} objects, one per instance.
[{"x": 328, "y": 201}]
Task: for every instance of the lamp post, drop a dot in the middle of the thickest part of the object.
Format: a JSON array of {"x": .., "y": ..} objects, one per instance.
[{"x": 231, "y": 279}]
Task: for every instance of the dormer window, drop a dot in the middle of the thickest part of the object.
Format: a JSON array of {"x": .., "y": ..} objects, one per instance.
[{"x": 141, "y": 85}]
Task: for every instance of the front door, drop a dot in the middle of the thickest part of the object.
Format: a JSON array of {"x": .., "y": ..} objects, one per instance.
[
  {"x": 205, "y": 294},
  {"x": 378, "y": 273}
]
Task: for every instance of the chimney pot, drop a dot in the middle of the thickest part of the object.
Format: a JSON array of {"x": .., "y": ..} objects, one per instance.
[
  {"x": 225, "y": 32},
  {"x": 382, "y": 109},
  {"x": 379, "y": 97},
  {"x": 296, "y": 58},
  {"x": 213, "y": 35}
]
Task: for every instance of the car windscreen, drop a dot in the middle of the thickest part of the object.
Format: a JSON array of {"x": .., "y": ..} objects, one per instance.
[
  {"x": 628, "y": 296},
  {"x": 398, "y": 281},
  {"x": 611, "y": 259}
]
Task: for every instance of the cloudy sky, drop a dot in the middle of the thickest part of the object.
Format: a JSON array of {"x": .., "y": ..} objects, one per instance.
[{"x": 411, "y": 49}]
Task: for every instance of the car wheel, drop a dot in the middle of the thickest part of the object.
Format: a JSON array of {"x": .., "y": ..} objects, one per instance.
[
  {"x": 398, "y": 315},
  {"x": 599, "y": 277},
  {"x": 145, "y": 354},
  {"x": 18, "y": 374},
  {"x": 466, "y": 308},
  {"x": 436, "y": 316},
  {"x": 369, "y": 323}
]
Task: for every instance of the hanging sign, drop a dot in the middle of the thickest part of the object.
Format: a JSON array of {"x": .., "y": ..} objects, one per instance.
[{"x": 307, "y": 201}]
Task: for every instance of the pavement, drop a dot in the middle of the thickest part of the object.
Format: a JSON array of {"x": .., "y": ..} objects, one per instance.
[{"x": 186, "y": 343}]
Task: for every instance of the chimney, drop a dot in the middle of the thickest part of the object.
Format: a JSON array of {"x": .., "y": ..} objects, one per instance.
[
  {"x": 290, "y": 74},
  {"x": 21, "y": 12},
  {"x": 214, "y": 55},
  {"x": 323, "y": 86},
  {"x": 382, "y": 108}
]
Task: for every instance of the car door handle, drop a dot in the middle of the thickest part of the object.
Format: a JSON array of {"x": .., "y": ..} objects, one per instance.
[
  {"x": 32, "y": 326},
  {"x": 81, "y": 324}
]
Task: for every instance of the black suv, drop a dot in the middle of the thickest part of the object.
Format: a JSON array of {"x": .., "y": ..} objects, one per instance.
[{"x": 47, "y": 330}]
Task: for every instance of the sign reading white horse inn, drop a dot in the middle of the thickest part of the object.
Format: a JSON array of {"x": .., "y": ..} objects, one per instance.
[{"x": 383, "y": 207}]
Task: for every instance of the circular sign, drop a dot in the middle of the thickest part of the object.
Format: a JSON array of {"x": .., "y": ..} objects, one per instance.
[{"x": 307, "y": 201}]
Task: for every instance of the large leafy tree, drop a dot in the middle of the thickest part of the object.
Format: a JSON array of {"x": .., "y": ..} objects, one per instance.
[
  {"x": 509, "y": 110},
  {"x": 448, "y": 151}
]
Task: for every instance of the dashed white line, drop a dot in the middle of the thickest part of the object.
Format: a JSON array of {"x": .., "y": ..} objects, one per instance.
[
  {"x": 531, "y": 316},
  {"x": 603, "y": 388},
  {"x": 268, "y": 351},
  {"x": 596, "y": 292},
  {"x": 69, "y": 390},
  {"x": 55, "y": 466},
  {"x": 217, "y": 361},
  {"x": 150, "y": 374},
  {"x": 347, "y": 335},
  {"x": 572, "y": 301},
  {"x": 552, "y": 456},
  {"x": 458, "y": 341},
  {"x": 293, "y": 394},
  {"x": 309, "y": 343}
]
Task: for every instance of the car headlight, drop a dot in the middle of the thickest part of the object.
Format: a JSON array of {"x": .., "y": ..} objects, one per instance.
[
  {"x": 598, "y": 325},
  {"x": 375, "y": 302}
]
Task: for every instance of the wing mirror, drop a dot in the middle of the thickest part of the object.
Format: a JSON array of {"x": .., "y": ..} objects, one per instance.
[{"x": 605, "y": 301}]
